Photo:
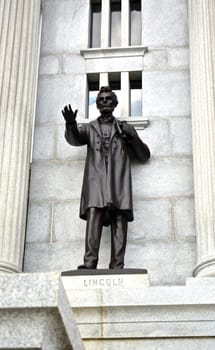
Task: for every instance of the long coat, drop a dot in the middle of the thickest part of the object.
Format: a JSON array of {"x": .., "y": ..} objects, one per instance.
[{"x": 107, "y": 186}]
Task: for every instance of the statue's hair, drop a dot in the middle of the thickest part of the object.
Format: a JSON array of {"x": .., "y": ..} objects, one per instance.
[{"x": 108, "y": 89}]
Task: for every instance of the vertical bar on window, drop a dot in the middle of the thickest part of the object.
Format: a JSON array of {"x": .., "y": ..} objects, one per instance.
[
  {"x": 89, "y": 25},
  {"x": 142, "y": 21},
  {"x": 103, "y": 79},
  {"x": 142, "y": 77},
  {"x": 86, "y": 97},
  {"x": 105, "y": 23},
  {"x": 95, "y": 32},
  {"x": 125, "y": 94},
  {"x": 125, "y": 23}
]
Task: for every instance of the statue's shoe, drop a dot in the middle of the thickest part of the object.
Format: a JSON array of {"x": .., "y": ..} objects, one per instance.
[{"x": 86, "y": 267}]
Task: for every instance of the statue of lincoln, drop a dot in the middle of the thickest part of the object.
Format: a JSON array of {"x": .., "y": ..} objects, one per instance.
[{"x": 106, "y": 197}]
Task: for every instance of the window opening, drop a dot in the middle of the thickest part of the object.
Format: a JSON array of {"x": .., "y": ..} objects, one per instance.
[
  {"x": 135, "y": 22},
  {"x": 115, "y": 24},
  {"x": 93, "y": 89},
  {"x": 135, "y": 94},
  {"x": 113, "y": 30},
  {"x": 115, "y": 84},
  {"x": 95, "y": 37}
]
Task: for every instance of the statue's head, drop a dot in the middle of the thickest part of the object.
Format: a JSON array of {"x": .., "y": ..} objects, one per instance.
[{"x": 106, "y": 100}]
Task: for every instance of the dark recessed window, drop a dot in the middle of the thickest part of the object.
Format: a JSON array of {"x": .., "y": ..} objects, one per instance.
[
  {"x": 95, "y": 37},
  {"x": 114, "y": 81},
  {"x": 115, "y": 23},
  {"x": 135, "y": 22},
  {"x": 93, "y": 89},
  {"x": 113, "y": 30},
  {"x": 115, "y": 84},
  {"x": 135, "y": 94}
]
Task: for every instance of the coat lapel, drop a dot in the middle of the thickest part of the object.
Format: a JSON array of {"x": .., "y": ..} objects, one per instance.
[
  {"x": 114, "y": 128},
  {"x": 95, "y": 125}
]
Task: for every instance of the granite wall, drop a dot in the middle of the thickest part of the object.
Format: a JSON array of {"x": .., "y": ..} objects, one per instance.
[{"x": 162, "y": 237}]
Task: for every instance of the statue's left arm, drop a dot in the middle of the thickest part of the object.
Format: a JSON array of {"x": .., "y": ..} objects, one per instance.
[{"x": 137, "y": 148}]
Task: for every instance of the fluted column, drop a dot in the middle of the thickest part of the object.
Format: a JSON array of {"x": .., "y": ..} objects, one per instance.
[
  {"x": 20, "y": 27},
  {"x": 202, "y": 61}
]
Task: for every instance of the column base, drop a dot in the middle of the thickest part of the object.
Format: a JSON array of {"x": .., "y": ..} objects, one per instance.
[
  {"x": 205, "y": 268},
  {"x": 6, "y": 267}
]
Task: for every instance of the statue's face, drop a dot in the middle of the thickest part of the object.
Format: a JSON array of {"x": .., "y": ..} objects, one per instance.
[{"x": 105, "y": 103}]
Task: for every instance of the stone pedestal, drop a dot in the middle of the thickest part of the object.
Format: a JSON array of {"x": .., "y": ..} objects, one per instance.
[
  {"x": 103, "y": 278},
  {"x": 164, "y": 318},
  {"x": 202, "y": 60},
  {"x": 20, "y": 27}
]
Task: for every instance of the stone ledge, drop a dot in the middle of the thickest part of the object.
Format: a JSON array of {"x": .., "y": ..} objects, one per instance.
[
  {"x": 144, "y": 313},
  {"x": 191, "y": 295},
  {"x": 35, "y": 313},
  {"x": 82, "y": 271},
  {"x": 114, "y": 52},
  {"x": 140, "y": 123}
]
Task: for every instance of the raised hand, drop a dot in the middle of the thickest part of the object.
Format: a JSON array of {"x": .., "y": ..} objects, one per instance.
[{"x": 69, "y": 115}]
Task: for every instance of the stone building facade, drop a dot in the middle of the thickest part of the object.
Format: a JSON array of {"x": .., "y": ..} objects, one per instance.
[
  {"x": 159, "y": 57},
  {"x": 163, "y": 188}
]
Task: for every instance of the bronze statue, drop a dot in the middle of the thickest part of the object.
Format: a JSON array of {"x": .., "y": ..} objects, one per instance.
[{"x": 106, "y": 197}]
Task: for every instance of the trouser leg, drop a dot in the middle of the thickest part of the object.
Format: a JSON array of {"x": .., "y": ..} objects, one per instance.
[
  {"x": 119, "y": 227},
  {"x": 95, "y": 218}
]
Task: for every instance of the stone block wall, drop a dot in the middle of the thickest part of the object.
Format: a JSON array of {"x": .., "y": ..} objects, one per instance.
[{"x": 162, "y": 237}]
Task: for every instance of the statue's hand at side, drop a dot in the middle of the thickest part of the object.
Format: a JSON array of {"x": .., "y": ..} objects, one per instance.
[{"x": 69, "y": 115}]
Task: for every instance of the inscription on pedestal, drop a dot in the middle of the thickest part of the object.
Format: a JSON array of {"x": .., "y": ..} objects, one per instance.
[
  {"x": 106, "y": 281},
  {"x": 103, "y": 282}
]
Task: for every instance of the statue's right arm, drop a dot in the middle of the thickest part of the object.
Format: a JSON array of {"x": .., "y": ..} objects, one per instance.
[{"x": 75, "y": 135}]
